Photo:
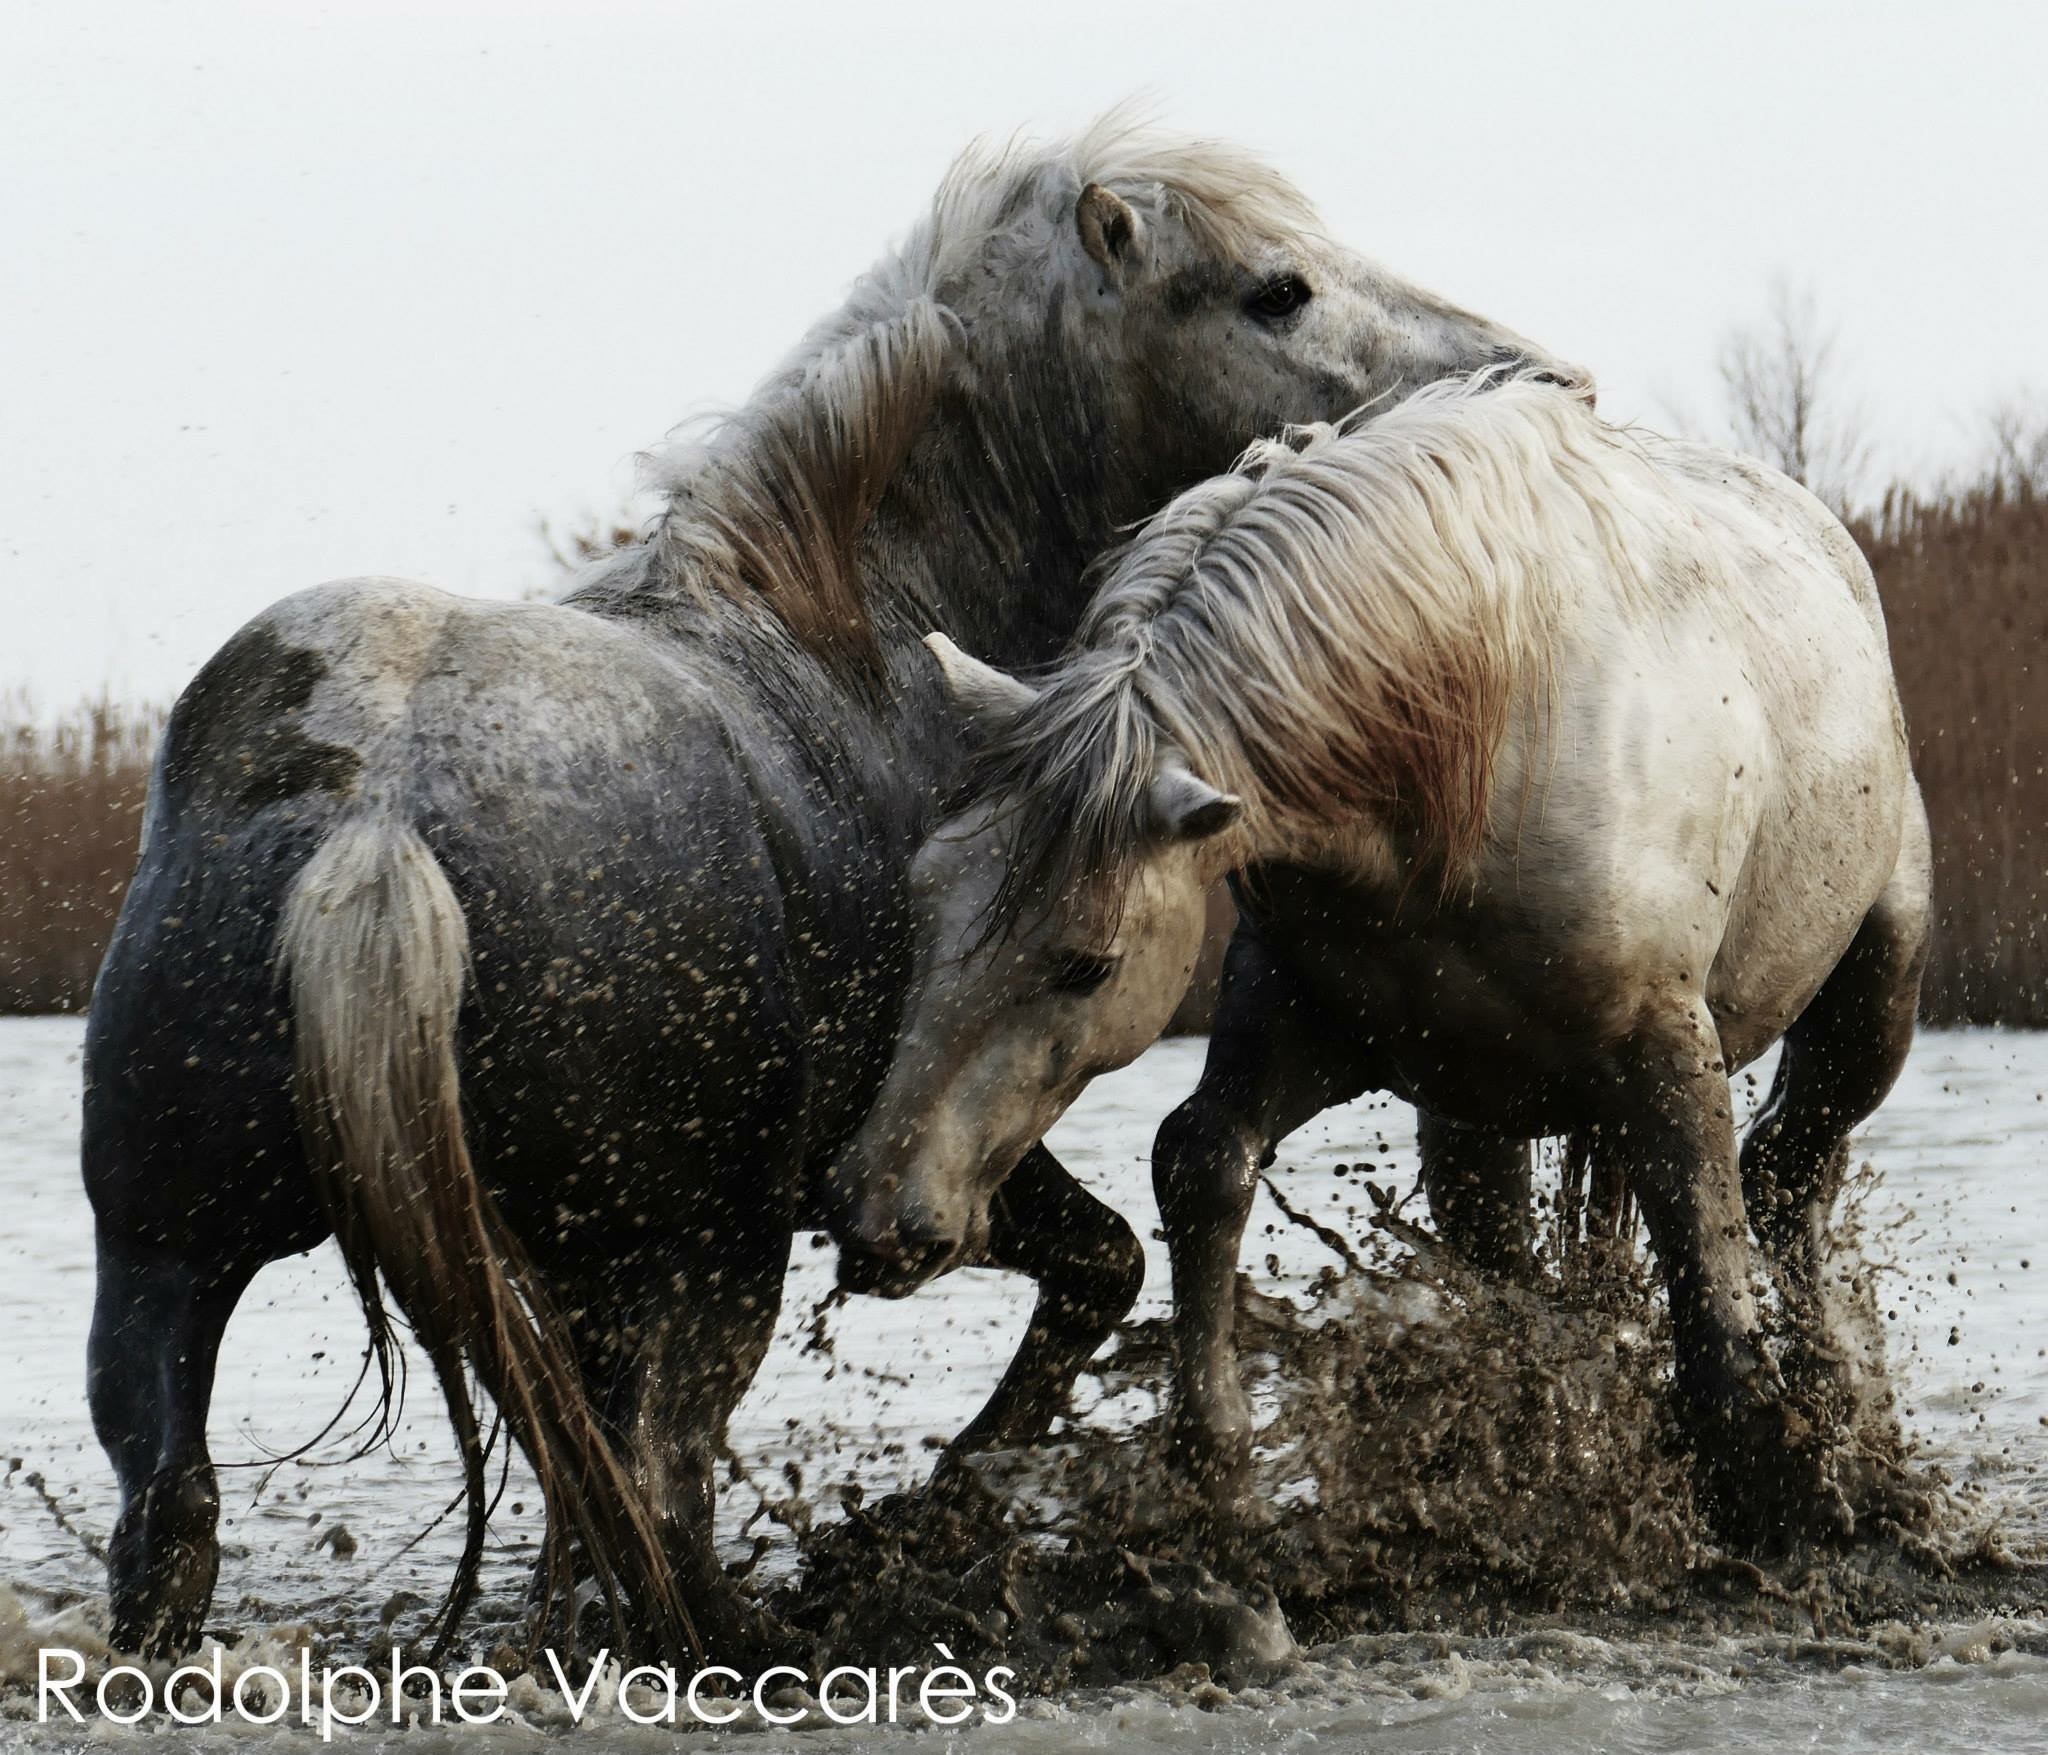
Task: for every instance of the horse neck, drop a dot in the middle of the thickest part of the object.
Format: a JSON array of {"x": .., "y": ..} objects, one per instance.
[
  {"x": 1355, "y": 777},
  {"x": 988, "y": 534},
  {"x": 984, "y": 532}
]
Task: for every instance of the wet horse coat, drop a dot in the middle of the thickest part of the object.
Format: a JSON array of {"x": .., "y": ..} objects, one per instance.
[
  {"x": 1566, "y": 773},
  {"x": 546, "y": 953}
]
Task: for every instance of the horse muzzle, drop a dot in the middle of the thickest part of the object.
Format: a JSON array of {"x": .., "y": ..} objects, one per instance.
[
  {"x": 1575, "y": 380},
  {"x": 891, "y": 1257},
  {"x": 1525, "y": 362}
]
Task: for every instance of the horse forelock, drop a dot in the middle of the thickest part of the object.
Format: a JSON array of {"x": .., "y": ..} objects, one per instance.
[
  {"x": 772, "y": 500},
  {"x": 1343, "y": 626},
  {"x": 1070, "y": 783}
]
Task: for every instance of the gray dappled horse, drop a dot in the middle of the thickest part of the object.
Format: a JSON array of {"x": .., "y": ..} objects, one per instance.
[
  {"x": 1570, "y": 775},
  {"x": 545, "y": 954}
]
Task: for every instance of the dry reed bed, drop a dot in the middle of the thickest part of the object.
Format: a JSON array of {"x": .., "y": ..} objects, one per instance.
[
  {"x": 71, "y": 797},
  {"x": 1965, "y": 586}
]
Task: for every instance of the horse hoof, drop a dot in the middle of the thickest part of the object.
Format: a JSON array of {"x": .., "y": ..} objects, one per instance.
[
  {"x": 1766, "y": 1489},
  {"x": 1237, "y": 1632},
  {"x": 738, "y": 1631},
  {"x": 162, "y": 1565}
]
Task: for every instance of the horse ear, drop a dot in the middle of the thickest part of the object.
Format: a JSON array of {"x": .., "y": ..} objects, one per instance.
[
  {"x": 1109, "y": 230},
  {"x": 988, "y": 697},
  {"x": 1186, "y": 807}
]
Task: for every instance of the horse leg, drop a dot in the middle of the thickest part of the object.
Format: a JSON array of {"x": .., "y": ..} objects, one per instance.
[
  {"x": 602, "y": 1312},
  {"x": 1671, "y": 1129},
  {"x": 1840, "y": 1059},
  {"x": 1479, "y": 1187},
  {"x": 708, "y": 1328},
  {"x": 157, "y": 1323},
  {"x": 665, "y": 1355},
  {"x": 1275, "y": 1061},
  {"x": 1089, "y": 1267}
]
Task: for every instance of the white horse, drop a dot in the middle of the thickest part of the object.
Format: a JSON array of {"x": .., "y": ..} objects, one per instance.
[{"x": 1566, "y": 773}]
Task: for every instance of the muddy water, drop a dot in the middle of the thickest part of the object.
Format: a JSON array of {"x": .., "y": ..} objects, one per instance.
[{"x": 1961, "y": 1211}]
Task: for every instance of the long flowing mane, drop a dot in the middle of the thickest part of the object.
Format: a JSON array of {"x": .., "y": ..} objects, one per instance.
[
  {"x": 772, "y": 501},
  {"x": 1342, "y": 627}
]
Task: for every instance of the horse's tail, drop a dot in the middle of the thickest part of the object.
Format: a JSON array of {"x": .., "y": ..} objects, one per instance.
[{"x": 377, "y": 951}]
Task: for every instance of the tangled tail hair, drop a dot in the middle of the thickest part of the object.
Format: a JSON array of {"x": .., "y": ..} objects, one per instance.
[{"x": 376, "y": 949}]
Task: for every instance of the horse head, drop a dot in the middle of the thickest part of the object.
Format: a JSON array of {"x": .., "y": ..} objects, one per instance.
[
  {"x": 1022, "y": 993},
  {"x": 1193, "y": 300}
]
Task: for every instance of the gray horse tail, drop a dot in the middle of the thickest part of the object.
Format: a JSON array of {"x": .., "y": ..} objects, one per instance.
[{"x": 377, "y": 951}]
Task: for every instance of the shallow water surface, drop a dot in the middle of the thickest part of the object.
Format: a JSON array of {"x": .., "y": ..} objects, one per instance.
[{"x": 1960, "y": 1211}]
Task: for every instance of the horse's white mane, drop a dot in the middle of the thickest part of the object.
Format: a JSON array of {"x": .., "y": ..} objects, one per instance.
[
  {"x": 1343, "y": 625},
  {"x": 773, "y": 496}
]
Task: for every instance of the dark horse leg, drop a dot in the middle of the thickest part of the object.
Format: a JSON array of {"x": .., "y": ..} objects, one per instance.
[
  {"x": 668, "y": 1344},
  {"x": 1089, "y": 1267},
  {"x": 1669, "y": 1123},
  {"x": 157, "y": 1323},
  {"x": 1276, "y": 1059},
  {"x": 712, "y": 1333},
  {"x": 189, "y": 1155},
  {"x": 1840, "y": 1059},
  {"x": 1479, "y": 1187}
]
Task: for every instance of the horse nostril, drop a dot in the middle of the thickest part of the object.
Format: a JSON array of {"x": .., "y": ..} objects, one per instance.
[
  {"x": 896, "y": 1255},
  {"x": 924, "y": 1244},
  {"x": 1580, "y": 384},
  {"x": 1514, "y": 361}
]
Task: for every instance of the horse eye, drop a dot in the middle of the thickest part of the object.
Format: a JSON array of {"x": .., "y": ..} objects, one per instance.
[
  {"x": 1080, "y": 972},
  {"x": 1281, "y": 296}
]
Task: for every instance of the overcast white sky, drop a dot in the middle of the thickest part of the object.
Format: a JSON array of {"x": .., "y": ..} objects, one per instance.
[{"x": 288, "y": 293}]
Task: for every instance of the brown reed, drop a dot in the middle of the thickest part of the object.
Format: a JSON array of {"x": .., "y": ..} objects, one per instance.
[
  {"x": 1965, "y": 585},
  {"x": 71, "y": 798}
]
